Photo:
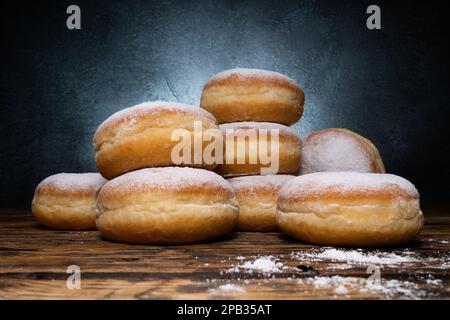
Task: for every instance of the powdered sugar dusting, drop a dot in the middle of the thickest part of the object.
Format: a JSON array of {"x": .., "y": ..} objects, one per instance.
[
  {"x": 259, "y": 182},
  {"x": 74, "y": 181},
  {"x": 227, "y": 288},
  {"x": 320, "y": 182},
  {"x": 263, "y": 264},
  {"x": 354, "y": 257},
  {"x": 345, "y": 285},
  {"x": 341, "y": 290},
  {"x": 246, "y": 73},
  {"x": 132, "y": 114},
  {"x": 312, "y": 275},
  {"x": 334, "y": 151},
  {"x": 174, "y": 178},
  {"x": 258, "y": 126}
]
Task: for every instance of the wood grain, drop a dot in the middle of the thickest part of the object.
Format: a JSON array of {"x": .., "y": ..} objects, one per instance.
[{"x": 34, "y": 260}]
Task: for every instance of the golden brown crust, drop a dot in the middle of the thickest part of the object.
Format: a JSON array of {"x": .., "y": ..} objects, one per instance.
[
  {"x": 257, "y": 215},
  {"x": 166, "y": 205},
  {"x": 140, "y": 136},
  {"x": 289, "y": 146},
  {"x": 350, "y": 209},
  {"x": 257, "y": 197},
  {"x": 257, "y": 190},
  {"x": 177, "y": 227},
  {"x": 316, "y": 158},
  {"x": 258, "y": 185},
  {"x": 253, "y": 77},
  {"x": 67, "y": 201},
  {"x": 253, "y": 95},
  {"x": 381, "y": 226}
]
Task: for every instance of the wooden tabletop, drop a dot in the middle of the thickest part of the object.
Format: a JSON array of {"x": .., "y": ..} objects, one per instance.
[{"x": 34, "y": 262}]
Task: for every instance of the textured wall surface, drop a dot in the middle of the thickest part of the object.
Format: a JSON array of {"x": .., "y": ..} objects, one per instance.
[{"x": 57, "y": 86}]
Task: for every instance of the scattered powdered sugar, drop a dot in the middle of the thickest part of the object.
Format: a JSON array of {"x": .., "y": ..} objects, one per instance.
[
  {"x": 74, "y": 181},
  {"x": 235, "y": 128},
  {"x": 434, "y": 282},
  {"x": 264, "y": 264},
  {"x": 341, "y": 290},
  {"x": 435, "y": 240},
  {"x": 443, "y": 261},
  {"x": 354, "y": 257},
  {"x": 315, "y": 284},
  {"x": 343, "y": 182},
  {"x": 173, "y": 178},
  {"x": 444, "y": 265},
  {"x": 227, "y": 288},
  {"x": 344, "y": 285},
  {"x": 259, "y": 182},
  {"x": 341, "y": 266},
  {"x": 332, "y": 150},
  {"x": 245, "y": 73}
]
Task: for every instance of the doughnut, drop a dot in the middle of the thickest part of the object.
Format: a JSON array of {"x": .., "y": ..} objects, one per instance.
[
  {"x": 140, "y": 136},
  {"x": 288, "y": 144},
  {"x": 337, "y": 149},
  {"x": 257, "y": 197},
  {"x": 67, "y": 201},
  {"x": 253, "y": 95},
  {"x": 350, "y": 209},
  {"x": 166, "y": 206}
]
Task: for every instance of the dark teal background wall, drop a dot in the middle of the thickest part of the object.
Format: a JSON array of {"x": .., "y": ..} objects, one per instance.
[{"x": 57, "y": 86}]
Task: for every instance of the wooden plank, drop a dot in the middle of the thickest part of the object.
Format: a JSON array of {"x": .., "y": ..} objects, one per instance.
[{"x": 34, "y": 260}]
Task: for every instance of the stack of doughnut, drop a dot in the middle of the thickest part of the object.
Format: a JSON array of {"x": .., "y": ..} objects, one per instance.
[
  {"x": 343, "y": 197},
  {"x": 147, "y": 199},
  {"x": 252, "y": 104}
]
